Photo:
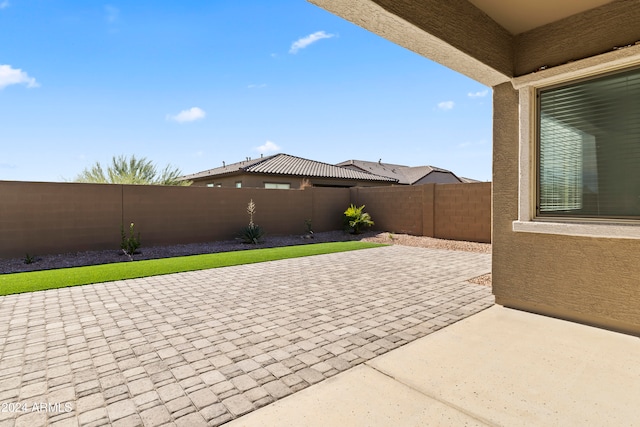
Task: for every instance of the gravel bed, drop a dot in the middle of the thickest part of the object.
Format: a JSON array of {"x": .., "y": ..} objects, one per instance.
[{"x": 77, "y": 259}]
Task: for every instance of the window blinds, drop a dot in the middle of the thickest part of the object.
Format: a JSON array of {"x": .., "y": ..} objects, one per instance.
[{"x": 589, "y": 148}]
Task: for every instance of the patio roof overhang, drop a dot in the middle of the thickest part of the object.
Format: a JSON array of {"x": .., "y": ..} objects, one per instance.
[{"x": 493, "y": 41}]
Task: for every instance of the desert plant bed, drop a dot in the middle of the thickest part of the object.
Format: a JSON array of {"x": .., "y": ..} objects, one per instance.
[{"x": 59, "y": 278}]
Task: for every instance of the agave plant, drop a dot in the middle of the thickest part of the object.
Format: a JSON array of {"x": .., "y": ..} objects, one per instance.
[{"x": 355, "y": 219}]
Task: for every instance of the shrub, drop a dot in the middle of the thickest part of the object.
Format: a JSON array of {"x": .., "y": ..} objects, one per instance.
[
  {"x": 29, "y": 259},
  {"x": 129, "y": 244},
  {"x": 355, "y": 219},
  {"x": 253, "y": 232}
]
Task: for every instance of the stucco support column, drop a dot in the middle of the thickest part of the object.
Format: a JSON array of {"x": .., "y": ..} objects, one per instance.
[{"x": 505, "y": 177}]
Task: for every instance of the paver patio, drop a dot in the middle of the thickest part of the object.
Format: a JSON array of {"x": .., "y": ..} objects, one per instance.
[{"x": 201, "y": 348}]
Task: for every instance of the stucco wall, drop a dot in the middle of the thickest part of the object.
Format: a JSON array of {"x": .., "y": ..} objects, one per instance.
[
  {"x": 590, "y": 280},
  {"x": 579, "y": 36}
]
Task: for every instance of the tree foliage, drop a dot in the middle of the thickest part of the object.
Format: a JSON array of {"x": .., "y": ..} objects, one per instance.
[{"x": 131, "y": 170}]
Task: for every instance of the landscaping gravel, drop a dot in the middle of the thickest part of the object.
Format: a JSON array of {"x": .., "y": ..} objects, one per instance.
[{"x": 77, "y": 259}]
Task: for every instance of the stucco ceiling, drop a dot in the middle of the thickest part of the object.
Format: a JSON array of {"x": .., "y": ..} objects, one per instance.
[{"x": 519, "y": 16}]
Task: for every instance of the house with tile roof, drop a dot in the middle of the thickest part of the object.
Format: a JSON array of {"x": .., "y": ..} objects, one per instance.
[
  {"x": 406, "y": 175},
  {"x": 283, "y": 171}
]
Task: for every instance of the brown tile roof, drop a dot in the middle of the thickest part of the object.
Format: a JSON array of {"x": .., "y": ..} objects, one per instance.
[
  {"x": 404, "y": 174},
  {"x": 285, "y": 164}
]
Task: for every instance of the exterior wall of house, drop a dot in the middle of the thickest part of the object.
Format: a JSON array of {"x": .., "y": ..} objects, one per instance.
[
  {"x": 438, "y": 177},
  {"x": 587, "y": 279},
  {"x": 580, "y": 36},
  {"x": 43, "y": 218},
  {"x": 252, "y": 180},
  {"x": 248, "y": 181}
]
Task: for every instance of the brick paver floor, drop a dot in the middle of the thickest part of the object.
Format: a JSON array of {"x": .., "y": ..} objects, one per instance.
[{"x": 201, "y": 348}]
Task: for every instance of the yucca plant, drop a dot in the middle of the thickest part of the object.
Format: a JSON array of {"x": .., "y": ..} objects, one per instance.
[
  {"x": 355, "y": 219},
  {"x": 253, "y": 232}
]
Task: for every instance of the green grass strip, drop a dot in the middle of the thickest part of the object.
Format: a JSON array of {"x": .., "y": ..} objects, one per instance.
[{"x": 16, "y": 283}]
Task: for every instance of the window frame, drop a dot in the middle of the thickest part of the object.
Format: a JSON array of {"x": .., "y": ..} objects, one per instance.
[
  {"x": 527, "y": 86},
  {"x": 277, "y": 184}
]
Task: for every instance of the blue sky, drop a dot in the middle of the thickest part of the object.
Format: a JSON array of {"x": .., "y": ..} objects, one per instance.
[{"x": 197, "y": 83}]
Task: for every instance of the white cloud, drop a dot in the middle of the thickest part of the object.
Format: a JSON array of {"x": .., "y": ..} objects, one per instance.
[
  {"x": 480, "y": 94},
  {"x": 254, "y": 86},
  {"x": 5, "y": 4},
  {"x": 15, "y": 76},
  {"x": 446, "y": 105},
  {"x": 112, "y": 14},
  {"x": 267, "y": 147},
  {"x": 189, "y": 115},
  {"x": 306, "y": 41}
]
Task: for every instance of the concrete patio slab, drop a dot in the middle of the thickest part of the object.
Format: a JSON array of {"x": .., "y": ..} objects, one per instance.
[
  {"x": 361, "y": 396},
  {"x": 205, "y": 347},
  {"x": 498, "y": 367}
]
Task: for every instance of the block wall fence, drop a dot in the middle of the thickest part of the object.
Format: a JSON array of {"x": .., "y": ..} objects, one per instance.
[{"x": 47, "y": 218}]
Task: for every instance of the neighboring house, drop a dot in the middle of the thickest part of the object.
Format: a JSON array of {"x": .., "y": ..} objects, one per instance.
[
  {"x": 282, "y": 171},
  {"x": 565, "y": 78},
  {"x": 468, "y": 180},
  {"x": 406, "y": 175}
]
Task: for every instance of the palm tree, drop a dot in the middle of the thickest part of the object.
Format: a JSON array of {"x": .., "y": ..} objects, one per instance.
[{"x": 125, "y": 170}]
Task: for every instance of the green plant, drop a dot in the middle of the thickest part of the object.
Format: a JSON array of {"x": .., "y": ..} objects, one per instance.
[
  {"x": 132, "y": 170},
  {"x": 129, "y": 244},
  {"x": 355, "y": 219},
  {"x": 28, "y": 259},
  {"x": 253, "y": 232},
  {"x": 307, "y": 223},
  {"x": 15, "y": 283}
]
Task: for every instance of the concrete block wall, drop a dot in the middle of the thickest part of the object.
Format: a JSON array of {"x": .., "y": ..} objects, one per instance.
[
  {"x": 40, "y": 218},
  {"x": 46, "y": 218},
  {"x": 444, "y": 211},
  {"x": 393, "y": 209},
  {"x": 463, "y": 212}
]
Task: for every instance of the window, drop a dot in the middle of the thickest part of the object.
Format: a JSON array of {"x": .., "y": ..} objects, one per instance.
[
  {"x": 279, "y": 186},
  {"x": 239, "y": 184},
  {"x": 588, "y": 153}
]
